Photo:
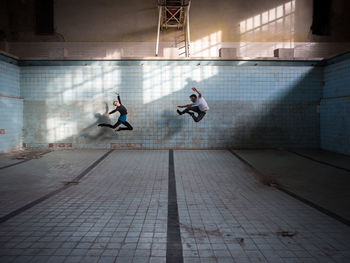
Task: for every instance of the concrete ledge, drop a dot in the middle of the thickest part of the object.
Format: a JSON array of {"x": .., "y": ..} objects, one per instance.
[
  {"x": 8, "y": 55},
  {"x": 144, "y": 50},
  {"x": 199, "y": 62},
  {"x": 180, "y": 59},
  {"x": 328, "y": 60}
]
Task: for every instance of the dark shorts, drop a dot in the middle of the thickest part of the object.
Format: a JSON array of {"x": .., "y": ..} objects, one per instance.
[{"x": 122, "y": 118}]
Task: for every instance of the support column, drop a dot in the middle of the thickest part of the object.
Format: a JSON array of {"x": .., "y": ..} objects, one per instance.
[
  {"x": 188, "y": 30},
  {"x": 158, "y": 31}
]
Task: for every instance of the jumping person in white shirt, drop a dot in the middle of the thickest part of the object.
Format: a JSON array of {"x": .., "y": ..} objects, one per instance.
[{"x": 198, "y": 105}]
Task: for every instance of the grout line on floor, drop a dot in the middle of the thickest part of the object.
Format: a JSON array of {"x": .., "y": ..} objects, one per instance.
[
  {"x": 318, "y": 161},
  {"x": 23, "y": 161},
  {"x": 295, "y": 196},
  {"x": 49, "y": 195}
]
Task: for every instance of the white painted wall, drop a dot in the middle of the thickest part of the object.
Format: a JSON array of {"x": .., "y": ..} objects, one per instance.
[{"x": 112, "y": 29}]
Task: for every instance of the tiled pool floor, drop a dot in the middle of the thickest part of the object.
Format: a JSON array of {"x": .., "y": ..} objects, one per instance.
[{"x": 124, "y": 209}]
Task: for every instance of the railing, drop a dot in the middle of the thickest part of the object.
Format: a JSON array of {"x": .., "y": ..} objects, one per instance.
[{"x": 175, "y": 14}]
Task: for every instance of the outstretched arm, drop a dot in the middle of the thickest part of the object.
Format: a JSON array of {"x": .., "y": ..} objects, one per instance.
[
  {"x": 118, "y": 94},
  {"x": 109, "y": 113},
  {"x": 196, "y": 90},
  {"x": 113, "y": 111}
]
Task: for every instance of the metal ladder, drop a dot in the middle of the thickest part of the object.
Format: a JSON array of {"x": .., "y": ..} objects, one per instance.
[{"x": 175, "y": 14}]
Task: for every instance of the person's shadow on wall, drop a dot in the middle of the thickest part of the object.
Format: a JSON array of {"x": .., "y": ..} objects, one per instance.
[
  {"x": 172, "y": 122},
  {"x": 170, "y": 119},
  {"x": 190, "y": 83},
  {"x": 103, "y": 132}
]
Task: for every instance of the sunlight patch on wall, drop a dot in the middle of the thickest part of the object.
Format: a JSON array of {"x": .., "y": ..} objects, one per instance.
[
  {"x": 113, "y": 54},
  {"x": 207, "y": 46},
  {"x": 110, "y": 84},
  {"x": 159, "y": 82},
  {"x": 275, "y": 24},
  {"x": 58, "y": 129},
  {"x": 84, "y": 84},
  {"x": 90, "y": 90}
]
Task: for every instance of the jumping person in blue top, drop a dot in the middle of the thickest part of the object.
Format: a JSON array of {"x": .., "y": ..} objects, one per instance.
[
  {"x": 122, "y": 118},
  {"x": 198, "y": 105}
]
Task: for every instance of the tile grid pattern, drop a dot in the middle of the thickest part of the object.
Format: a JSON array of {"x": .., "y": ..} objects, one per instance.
[
  {"x": 118, "y": 211},
  {"x": 11, "y": 108},
  {"x": 35, "y": 202},
  {"x": 228, "y": 217},
  {"x": 335, "y": 108},
  {"x": 36, "y": 178},
  {"x": 263, "y": 106}
]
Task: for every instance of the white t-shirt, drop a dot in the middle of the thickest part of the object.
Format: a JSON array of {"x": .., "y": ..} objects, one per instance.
[{"x": 201, "y": 103}]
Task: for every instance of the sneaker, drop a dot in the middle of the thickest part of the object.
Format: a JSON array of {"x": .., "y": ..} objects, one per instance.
[{"x": 179, "y": 112}]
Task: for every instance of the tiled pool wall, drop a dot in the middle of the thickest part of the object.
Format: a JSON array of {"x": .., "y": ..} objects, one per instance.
[
  {"x": 266, "y": 105},
  {"x": 11, "y": 107},
  {"x": 335, "y": 106},
  {"x": 252, "y": 103}
]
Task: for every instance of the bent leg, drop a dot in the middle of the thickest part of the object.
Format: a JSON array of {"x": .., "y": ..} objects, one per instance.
[
  {"x": 109, "y": 125},
  {"x": 128, "y": 127},
  {"x": 116, "y": 124},
  {"x": 200, "y": 116},
  {"x": 105, "y": 125},
  {"x": 192, "y": 108}
]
